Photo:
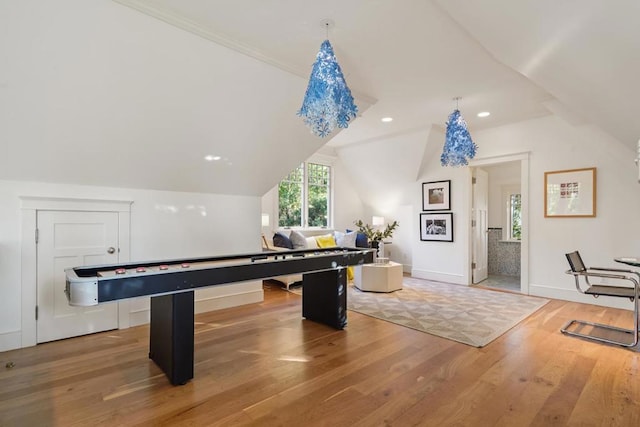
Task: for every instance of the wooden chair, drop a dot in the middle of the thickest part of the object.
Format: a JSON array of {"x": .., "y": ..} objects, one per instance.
[{"x": 579, "y": 270}]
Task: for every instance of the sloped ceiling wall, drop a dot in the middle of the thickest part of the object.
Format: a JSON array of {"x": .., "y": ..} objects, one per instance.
[
  {"x": 383, "y": 170},
  {"x": 97, "y": 93},
  {"x": 585, "y": 53}
]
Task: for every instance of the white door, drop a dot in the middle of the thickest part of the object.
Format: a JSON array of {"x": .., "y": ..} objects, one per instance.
[
  {"x": 479, "y": 225},
  {"x": 71, "y": 239}
]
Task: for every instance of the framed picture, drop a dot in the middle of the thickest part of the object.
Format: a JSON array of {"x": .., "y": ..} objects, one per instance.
[
  {"x": 436, "y": 227},
  {"x": 436, "y": 196},
  {"x": 570, "y": 193}
]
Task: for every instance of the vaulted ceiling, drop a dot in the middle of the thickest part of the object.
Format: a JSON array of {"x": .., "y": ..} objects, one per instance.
[
  {"x": 408, "y": 59},
  {"x": 405, "y": 60},
  {"x": 99, "y": 83}
]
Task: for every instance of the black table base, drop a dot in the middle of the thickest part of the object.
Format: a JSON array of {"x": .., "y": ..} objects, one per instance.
[
  {"x": 324, "y": 297},
  {"x": 171, "y": 347},
  {"x": 171, "y": 335}
]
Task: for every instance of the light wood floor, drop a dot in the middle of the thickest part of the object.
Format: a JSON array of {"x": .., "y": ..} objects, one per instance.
[{"x": 263, "y": 365}]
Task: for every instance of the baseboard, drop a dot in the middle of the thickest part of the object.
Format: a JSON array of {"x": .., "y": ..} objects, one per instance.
[
  {"x": 438, "y": 276},
  {"x": 139, "y": 317},
  {"x": 209, "y": 303},
  {"x": 229, "y": 300},
  {"x": 10, "y": 340},
  {"x": 574, "y": 296}
]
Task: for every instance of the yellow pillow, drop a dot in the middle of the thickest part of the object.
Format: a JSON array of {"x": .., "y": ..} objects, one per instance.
[
  {"x": 328, "y": 241},
  {"x": 349, "y": 273}
]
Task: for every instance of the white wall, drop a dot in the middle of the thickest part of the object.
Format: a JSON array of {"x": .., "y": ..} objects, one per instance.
[
  {"x": 348, "y": 206},
  {"x": 97, "y": 81},
  {"x": 164, "y": 225},
  {"x": 553, "y": 145},
  {"x": 501, "y": 175},
  {"x": 381, "y": 169},
  {"x": 400, "y": 248},
  {"x": 383, "y": 172},
  {"x": 443, "y": 261}
]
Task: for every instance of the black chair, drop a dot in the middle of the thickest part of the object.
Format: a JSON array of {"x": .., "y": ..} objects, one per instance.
[{"x": 579, "y": 270}]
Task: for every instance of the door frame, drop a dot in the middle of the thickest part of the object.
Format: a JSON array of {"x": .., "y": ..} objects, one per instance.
[
  {"x": 523, "y": 158},
  {"x": 29, "y": 207},
  {"x": 474, "y": 175}
]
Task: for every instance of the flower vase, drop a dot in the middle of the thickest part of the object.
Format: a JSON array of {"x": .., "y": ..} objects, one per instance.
[{"x": 375, "y": 244}]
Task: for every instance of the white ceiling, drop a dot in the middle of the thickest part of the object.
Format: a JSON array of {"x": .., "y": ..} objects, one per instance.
[
  {"x": 516, "y": 59},
  {"x": 134, "y": 102}
]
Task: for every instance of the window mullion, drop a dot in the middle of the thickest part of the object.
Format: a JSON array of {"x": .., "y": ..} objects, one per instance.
[
  {"x": 312, "y": 204},
  {"x": 305, "y": 195}
]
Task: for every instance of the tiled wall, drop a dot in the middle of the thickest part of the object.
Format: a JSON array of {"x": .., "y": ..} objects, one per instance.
[{"x": 504, "y": 257}]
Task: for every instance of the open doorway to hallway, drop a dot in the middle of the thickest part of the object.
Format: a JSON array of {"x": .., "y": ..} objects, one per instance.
[{"x": 504, "y": 226}]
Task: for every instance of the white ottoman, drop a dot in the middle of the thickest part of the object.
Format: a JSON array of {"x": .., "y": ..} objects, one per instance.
[{"x": 378, "y": 277}]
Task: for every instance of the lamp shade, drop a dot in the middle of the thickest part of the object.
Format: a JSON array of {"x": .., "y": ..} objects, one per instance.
[
  {"x": 458, "y": 146},
  {"x": 327, "y": 102},
  {"x": 377, "y": 220},
  {"x": 265, "y": 220}
]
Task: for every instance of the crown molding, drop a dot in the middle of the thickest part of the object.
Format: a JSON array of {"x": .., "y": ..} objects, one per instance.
[
  {"x": 171, "y": 18},
  {"x": 195, "y": 28}
]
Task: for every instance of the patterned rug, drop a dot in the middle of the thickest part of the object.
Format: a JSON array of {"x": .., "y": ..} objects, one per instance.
[{"x": 468, "y": 315}]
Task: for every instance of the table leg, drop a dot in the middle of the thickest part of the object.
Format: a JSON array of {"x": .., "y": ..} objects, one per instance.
[
  {"x": 324, "y": 297},
  {"x": 171, "y": 335}
]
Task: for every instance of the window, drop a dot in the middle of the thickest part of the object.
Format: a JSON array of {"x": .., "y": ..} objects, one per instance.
[
  {"x": 290, "y": 198},
  {"x": 304, "y": 196},
  {"x": 515, "y": 217},
  {"x": 512, "y": 223}
]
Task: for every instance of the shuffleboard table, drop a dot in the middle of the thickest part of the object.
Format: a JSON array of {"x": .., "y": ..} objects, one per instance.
[{"x": 171, "y": 285}]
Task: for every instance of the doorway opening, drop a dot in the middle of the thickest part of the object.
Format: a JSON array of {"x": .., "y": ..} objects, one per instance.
[{"x": 506, "y": 230}]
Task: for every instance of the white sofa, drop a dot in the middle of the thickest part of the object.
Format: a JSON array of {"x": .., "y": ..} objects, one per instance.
[{"x": 310, "y": 235}]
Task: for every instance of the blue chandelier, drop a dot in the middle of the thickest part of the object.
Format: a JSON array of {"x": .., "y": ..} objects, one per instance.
[
  {"x": 458, "y": 146},
  {"x": 328, "y": 102}
]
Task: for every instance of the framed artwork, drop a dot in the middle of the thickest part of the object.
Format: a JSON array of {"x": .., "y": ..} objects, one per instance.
[
  {"x": 436, "y": 196},
  {"x": 570, "y": 193},
  {"x": 436, "y": 227}
]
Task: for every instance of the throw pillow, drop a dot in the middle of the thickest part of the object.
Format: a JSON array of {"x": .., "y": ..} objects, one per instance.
[
  {"x": 311, "y": 243},
  {"x": 282, "y": 241},
  {"x": 346, "y": 240},
  {"x": 361, "y": 240},
  {"x": 326, "y": 241},
  {"x": 298, "y": 240}
]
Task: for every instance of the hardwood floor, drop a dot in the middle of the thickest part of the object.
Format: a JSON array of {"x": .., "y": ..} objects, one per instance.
[{"x": 263, "y": 365}]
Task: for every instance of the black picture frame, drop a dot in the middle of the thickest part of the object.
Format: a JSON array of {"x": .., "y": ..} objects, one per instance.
[
  {"x": 436, "y": 195},
  {"x": 436, "y": 227}
]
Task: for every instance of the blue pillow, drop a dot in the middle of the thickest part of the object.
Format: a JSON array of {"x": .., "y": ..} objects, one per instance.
[
  {"x": 361, "y": 240},
  {"x": 282, "y": 241}
]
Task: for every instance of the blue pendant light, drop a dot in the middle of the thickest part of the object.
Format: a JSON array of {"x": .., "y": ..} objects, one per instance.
[
  {"x": 328, "y": 102},
  {"x": 458, "y": 146}
]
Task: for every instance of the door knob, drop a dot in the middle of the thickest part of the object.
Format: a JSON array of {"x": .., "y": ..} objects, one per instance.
[{"x": 111, "y": 250}]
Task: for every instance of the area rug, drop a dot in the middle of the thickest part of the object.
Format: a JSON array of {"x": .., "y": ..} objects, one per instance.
[{"x": 468, "y": 315}]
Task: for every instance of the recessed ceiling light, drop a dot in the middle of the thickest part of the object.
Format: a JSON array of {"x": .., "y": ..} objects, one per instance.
[
  {"x": 210, "y": 158},
  {"x": 387, "y": 119},
  {"x": 484, "y": 114}
]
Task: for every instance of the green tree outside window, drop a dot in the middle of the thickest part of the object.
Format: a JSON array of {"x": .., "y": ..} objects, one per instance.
[
  {"x": 303, "y": 196},
  {"x": 516, "y": 216}
]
